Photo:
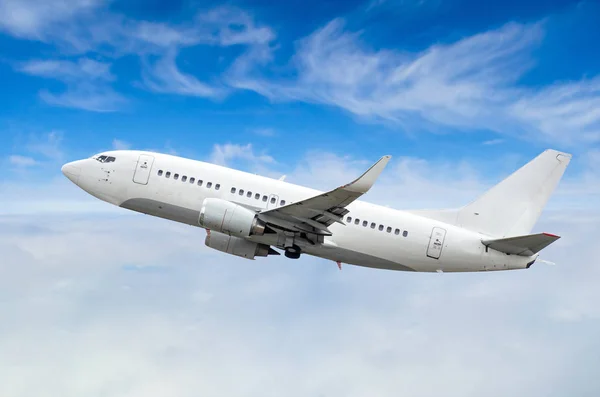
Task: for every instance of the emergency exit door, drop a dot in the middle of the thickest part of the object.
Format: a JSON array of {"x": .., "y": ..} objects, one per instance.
[
  {"x": 436, "y": 242},
  {"x": 142, "y": 169}
]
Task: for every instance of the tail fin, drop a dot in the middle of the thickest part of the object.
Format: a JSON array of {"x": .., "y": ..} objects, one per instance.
[{"x": 512, "y": 207}]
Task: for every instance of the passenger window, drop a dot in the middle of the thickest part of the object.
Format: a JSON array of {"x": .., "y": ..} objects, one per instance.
[
  {"x": 397, "y": 232},
  {"x": 365, "y": 223},
  {"x": 241, "y": 192},
  {"x": 405, "y": 233},
  {"x": 380, "y": 227},
  {"x": 257, "y": 196},
  {"x": 349, "y": 219},
  {"x": 176, "y": 176},
  {"x": 372, "y": 225},
  {"x": 199, "y": 182},
  {"x": 249, "y": 194},
  {"x": 208, "y": 185},
  {"x": 356, "y": 221},
  {"x": 160, "y": 172},
  {"x": 233, "y": 190},
  {"x": 282, "y": 202},
  {"x": 265, "y": 199},
  {"x": 273, "y": 200},
  {"x": 217, "y": 186},
  {"x": 389, "y": 229},
  {"x": 192, "y": 180},
  {"x": 183, "y": 178},
  {"x": 168, "y": 174}
]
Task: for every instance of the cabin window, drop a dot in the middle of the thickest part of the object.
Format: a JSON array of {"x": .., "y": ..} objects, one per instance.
[
  {"x": 349, "y": 219},
  {"x": 365, "y": 223},
  {"x": 265, "y": 198},
  {"x": 257, "y": 196},
  {"x": 397, "y": 232},
  {"x": 356, "y": 221},
  {"x": 199, "y": 182},
  {"x": 273, "y": 200},
  {"x": 241, "y": 192},
  {"x": 208, "y": 185},
  {"x": 389, "y": 229},
  {"x": 160, "y": 172},
  {"x": 249, "y": 194},
  {"x": 282, "y": 202},
  {"x": 192, "y": 180},
  {"x": 233, "y": 190},
  {"x": 217, "y": 186},
  {"x": 176, "y": 176},
  {"x": 372, "y": 225},
  {"x": 168, "y": 174},
  {"x": 380, "y": 228},
  {"x": 405, "y": 233},
  {"x": 184, "y": 178}
]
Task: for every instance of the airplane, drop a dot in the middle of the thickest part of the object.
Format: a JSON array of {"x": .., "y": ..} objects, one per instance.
[{"x": 253, "y": 216}]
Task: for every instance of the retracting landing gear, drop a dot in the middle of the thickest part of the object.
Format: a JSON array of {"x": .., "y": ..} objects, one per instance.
[{"x": 293, "y": 252}]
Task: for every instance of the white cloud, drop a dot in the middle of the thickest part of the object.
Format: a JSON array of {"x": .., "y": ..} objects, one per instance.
[
  {"x": 164, "y": 76},
  {"x": 469, "y": 84},
  {"x": 218, "y": 315},
  {"x": 120, "y": 145},
  {"x": 48, "y": 145},
  {"x": 35, "y": 19},
  {"x": 21, "y": 161},
  {"x": 496, "y": 141},
  {"x": 87, "y": 83},
  {"x": 84, "y": 69},
  {"x": 223, "y": 154}
]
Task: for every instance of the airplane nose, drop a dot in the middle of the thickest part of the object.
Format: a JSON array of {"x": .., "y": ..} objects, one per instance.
[{"x": 72, "y": 171}]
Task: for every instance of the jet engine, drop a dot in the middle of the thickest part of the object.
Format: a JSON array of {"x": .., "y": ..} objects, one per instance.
[
  {"x": 229, "y": 218},
  {"x": 237, "y": 246}
]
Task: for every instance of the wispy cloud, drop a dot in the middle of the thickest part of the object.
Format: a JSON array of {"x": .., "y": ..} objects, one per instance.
[
  {"x": 472, "y": 83},
  {"x": 496, "y": 141},
  {"x": 87, "y": 81},
  {"x": 119, "y": 144},
  {"x": 47, "y": 145},
  {"x": 37, "y": 19},
  {"x": 224, "y": 154},
  {"x": 21, "y": 161},
  {"x": 164, "y": 76}
]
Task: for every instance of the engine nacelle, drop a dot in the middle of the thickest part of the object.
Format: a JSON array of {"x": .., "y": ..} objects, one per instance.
[
  {"x": 226, "y": 217},
  {"x": 235, "y": 245}
]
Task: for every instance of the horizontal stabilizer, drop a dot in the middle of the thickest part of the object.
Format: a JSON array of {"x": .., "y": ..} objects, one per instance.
[{"x": 522, "y": 245}]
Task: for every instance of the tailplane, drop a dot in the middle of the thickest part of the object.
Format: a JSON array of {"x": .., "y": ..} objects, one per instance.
[
  {"x": 512, "y": 207},
  {"x": 527, "y": 245}
]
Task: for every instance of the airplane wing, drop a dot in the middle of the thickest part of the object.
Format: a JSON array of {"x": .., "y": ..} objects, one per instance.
[{"x": 315, "y": 214}]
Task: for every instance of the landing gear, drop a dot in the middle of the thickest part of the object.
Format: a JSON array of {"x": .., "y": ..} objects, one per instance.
[{"x": 293, "y": 252}]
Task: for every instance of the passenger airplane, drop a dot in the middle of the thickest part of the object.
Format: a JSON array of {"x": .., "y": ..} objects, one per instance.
[{"x": 249, "y": 215}]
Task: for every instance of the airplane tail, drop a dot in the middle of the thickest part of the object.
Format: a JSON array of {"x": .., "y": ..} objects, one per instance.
[{"x": 512, "y": 207}]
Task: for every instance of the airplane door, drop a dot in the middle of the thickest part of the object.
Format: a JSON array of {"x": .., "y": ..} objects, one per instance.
[
  {"x": 142, "y": 169},
  {"x": 272, "y": 203},
  {"x": 436, "y": 242}
]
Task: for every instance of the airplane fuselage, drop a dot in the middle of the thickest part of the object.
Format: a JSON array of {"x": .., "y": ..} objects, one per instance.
[{"x": 175, "y": 188}]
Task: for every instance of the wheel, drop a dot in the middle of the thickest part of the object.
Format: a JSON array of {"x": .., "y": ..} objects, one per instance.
[{"x": 293, "y": 252}]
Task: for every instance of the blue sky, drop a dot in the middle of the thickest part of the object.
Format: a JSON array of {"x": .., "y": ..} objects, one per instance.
[{"x": 460, "y": 93}]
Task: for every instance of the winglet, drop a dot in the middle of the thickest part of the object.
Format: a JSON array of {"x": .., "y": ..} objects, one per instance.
[{"x": 363, "y": 183}]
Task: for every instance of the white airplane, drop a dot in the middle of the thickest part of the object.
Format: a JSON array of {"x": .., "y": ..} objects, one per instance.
[{"x": 249, "y": 215}]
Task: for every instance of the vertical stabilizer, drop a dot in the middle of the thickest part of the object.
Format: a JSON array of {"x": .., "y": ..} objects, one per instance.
[{"x": 512, "y": 207}]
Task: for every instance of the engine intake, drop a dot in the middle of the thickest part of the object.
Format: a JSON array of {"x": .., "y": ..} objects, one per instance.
[
  {"x": 236, "y": 245},
  {"x": 229, "y": 218}
]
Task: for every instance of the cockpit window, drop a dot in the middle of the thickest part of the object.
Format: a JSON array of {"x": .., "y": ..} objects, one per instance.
[{"x": 105, "y": 159}]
